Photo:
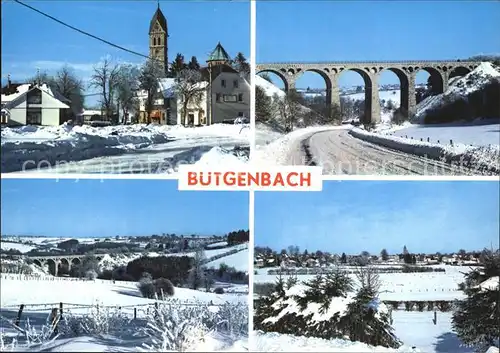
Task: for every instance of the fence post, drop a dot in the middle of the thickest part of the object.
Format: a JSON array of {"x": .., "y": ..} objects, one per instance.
[
  {"x": 435, "y": 318},
  {"x": 60, "y": 310},
  {"x": 54, "y": 320},
  {"x": 18, "y": 319},
  {"x": 135, "y": 313}
]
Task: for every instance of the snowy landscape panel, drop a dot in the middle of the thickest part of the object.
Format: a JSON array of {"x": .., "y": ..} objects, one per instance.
[{"x": 314, "y": 295}]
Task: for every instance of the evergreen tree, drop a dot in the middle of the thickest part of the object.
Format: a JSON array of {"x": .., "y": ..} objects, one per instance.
[
  {"x": 343, "y": 258},
  {"x": 193, "y": 64},
  {"x": 241, "y": 65},
  {"x": 477, "y": 316},
  {"x": 178, "y": 65},
  {"x": 263, "y": 105},
  {"x": 384, "y": 255},
  {"x": 405, "y": 250}
]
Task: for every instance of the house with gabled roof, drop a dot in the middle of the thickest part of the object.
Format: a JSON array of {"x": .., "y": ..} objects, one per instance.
[
  {"x": 33, "y": 104},
  {"x": 225, "y": 96}
]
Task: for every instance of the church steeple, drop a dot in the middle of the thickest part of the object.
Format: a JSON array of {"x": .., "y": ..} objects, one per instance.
[{"x": 158, "y": 38}]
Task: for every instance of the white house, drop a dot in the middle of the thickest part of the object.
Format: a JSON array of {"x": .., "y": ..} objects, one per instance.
[{"x": 33, "y": 104}]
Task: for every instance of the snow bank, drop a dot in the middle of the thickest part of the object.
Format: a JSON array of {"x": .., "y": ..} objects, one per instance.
[
  {"x": 30, "y": 147},
  {"x": 483, "y": 159},
  {"x": 277, "y": 152},
  {"x": 459, "y": 88},
  {"x": 219, "y": 156},
  {"x": 269, "y": 88},
  {"x": 276, "y": 342}
]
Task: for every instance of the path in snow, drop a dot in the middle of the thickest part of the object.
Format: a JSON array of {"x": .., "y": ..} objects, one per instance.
[{"x": 340, "y": 153}]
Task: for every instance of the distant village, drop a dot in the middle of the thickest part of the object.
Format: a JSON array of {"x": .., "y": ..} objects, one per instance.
[{"x": 293, "y": 258}]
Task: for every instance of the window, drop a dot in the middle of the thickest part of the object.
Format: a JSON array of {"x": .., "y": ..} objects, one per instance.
[
  {"x": 235, "y": 83},
  {"x": 34, "y": 116},
  {"x": 240, "y": 114},
  {"x": 240, "y": 97},
  {"x": 35, "y": 96},
  {"x": 154, "y": 40},
  {"x": 159, "y": 40},
  {"x": 223, "y": 83},
  {"x": 217, "y": 97},
  {"x": 230, "y": 98}
]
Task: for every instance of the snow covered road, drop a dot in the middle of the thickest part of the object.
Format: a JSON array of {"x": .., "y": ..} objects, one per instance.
[
  {"x": 159, "y": 158},
  {"x": 340, "y": 153},
  {"x": 120, "y": 149}
]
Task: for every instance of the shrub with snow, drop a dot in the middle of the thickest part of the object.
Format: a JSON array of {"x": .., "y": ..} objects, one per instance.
[{"x": 327, "y": 307}]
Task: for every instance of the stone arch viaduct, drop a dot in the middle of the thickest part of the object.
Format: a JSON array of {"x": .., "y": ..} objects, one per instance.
[
  {"x": 53, "y": 262},
  {"x": 439, "y": 71}
]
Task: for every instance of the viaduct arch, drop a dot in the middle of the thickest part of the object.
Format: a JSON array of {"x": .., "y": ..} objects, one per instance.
[
  {"x": 439, "y": 71},
  {"x": 53, "y": 262}
]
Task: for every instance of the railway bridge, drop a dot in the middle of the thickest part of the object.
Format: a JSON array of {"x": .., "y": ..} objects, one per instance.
[
  {"x": 440, "y": 73},
  {"x": 54, "y": 261}
]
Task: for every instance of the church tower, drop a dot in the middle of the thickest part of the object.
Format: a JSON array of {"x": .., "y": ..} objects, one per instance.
[{"x": 158, "y": 39}]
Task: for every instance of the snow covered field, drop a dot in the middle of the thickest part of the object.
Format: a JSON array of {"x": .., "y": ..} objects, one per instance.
[
  {"x": 405, "y": 286},
  {"x": 479, "y": 134},
  {"x": 85, "y": 295},
  {"x": 119, "y": 149}
]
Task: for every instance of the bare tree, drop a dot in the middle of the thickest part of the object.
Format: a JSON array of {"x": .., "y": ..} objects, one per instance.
[
  {"x": 127, "y": 86},
  {"x": 189, "y": 89},
  {"x": 105, "y": 78},
  {"x": 289, "y": 109},
  {"x": 197, "y": 273},
  {"x": 368, "y": 279},
  {"x": 150, "y": 72},
  {"x": 69, "y": 86}
]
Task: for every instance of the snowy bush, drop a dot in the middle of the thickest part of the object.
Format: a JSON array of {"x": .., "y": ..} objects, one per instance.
[
  {"x": 327, "y": 307},
  {"x": 157, "y": 288},
  {"x": 172, "y": 326},
  {"x": 146, "y": 287},
  {"x": 97, "y": 321},
  {"x": 91, "y": 274},
  {"x": 219, "y": 290}
]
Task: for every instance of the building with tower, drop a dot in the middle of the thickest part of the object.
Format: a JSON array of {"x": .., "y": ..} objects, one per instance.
[
  {"x": 225, "y": 96},
  {"x": 158, "y": 39}
]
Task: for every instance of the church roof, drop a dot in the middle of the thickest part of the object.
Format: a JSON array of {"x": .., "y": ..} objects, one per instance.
[
  {"x": 219, "y": 54},
  {"x": 158, "y": 16}
]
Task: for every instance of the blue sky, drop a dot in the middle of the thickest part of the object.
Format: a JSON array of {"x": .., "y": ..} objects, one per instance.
[
  {"x": 91, "y": 208},
  {"x": 31, "y": 41},
  {"x": 352, "y": 216},
  {"x": 374, "y": 30}
]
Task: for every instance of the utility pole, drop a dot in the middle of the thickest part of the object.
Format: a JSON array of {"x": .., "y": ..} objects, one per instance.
[{"x": 209, "y": 120}]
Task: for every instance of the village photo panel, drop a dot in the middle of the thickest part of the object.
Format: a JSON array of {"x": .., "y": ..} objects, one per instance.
[
  {"x": 152, "y": 85},
  {"x": 353, "y": 101},
  {"x": 113, "y": 264},
  {"x": 378, "y": 266}
]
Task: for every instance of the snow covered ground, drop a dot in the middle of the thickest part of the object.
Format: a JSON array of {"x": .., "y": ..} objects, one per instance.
[
  {"x": 238, "y": 260},
  {"x": 479, "y": 133},
  {"x": 16, "y": 246},
  {"x": 119, "y": 149}
]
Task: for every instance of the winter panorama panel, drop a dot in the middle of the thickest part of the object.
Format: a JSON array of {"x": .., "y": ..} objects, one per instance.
[
  {"x": 153, "y": 269},
  {"x": 356, "y": 269}
]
